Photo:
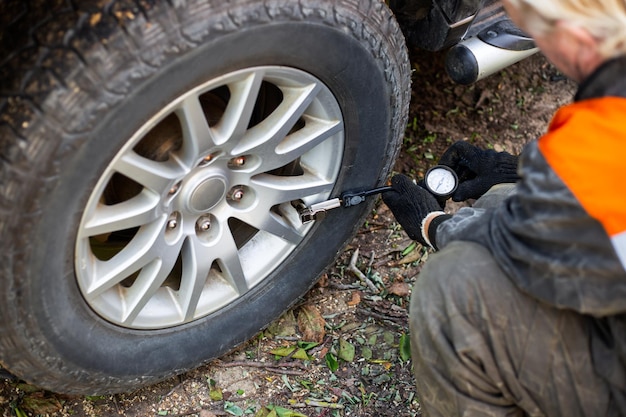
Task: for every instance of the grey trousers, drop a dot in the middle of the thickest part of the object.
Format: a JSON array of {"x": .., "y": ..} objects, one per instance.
[{"x": 481, "y": 347}]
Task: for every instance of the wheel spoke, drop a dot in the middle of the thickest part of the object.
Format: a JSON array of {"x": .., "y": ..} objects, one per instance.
[
  {"x": 128, "y": 214},
  {"x": 312, "y": 134},
  {"x": 270, "y": 132},
  {"x": 198, "y": 261},
  {"x": 147, "y": 284},
  {"x": 162, "y": 261},
  {"x": 156, "y": 176},
  {"x": 315, "y": 132},
  {"x": 276, "y": 191},
  {"x": 243, "y": 96},
  {"x": 230, "y": 264},
  {"x": 142, "y": 249},
  {"x": 197, "y": 138},
  {"x": 275, "y": 225},
  {"x": 196, "y": 268}
]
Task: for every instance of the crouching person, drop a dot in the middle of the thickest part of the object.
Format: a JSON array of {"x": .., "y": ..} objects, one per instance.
[{"x": 522, "y": 311}]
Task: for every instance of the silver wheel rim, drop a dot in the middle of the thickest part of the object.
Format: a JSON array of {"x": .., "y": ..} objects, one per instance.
[{"x": 198, "y": 207}]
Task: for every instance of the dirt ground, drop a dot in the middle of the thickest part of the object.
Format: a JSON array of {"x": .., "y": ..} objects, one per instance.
[{"x": 358, "y": 311}]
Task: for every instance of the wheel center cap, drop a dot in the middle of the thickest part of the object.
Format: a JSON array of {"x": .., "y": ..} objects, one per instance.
[{"x": 207, "y": 194}]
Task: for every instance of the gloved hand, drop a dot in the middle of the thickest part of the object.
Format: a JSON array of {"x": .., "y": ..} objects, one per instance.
[
  {"x": 411, "y": 204},
  {"x": 478, "y": 170},
  {"x": 441, "y": 200}
]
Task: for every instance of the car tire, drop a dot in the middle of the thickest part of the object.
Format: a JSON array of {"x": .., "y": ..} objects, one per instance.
[{"x": 104, "y": 151}]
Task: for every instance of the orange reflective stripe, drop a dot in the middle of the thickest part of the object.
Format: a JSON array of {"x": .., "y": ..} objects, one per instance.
[{"x": 586, "y": 147}]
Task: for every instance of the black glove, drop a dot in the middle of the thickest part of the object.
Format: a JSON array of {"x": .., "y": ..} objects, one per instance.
[
  {"x": 441, "y": 200},
  {"x": 410, "y": 204},
  {"x": 478, "y": 170}
]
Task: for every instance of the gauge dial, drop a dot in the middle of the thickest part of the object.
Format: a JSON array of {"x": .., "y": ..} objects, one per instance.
[{"x": 441, "y": 181}]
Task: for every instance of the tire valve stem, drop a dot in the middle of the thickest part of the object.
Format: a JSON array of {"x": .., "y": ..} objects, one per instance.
[{"x": 347, "y": 199}]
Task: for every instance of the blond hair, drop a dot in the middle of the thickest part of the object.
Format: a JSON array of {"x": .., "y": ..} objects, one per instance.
[{"x": 605, "y": 20}]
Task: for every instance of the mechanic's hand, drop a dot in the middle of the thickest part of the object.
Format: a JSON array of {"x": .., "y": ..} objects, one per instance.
[
  {"x": 410, "y": 204},
  {"x": 478, "y": 170}
]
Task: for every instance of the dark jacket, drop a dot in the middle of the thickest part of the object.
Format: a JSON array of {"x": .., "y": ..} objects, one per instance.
[{"x": 562, "y": 237}]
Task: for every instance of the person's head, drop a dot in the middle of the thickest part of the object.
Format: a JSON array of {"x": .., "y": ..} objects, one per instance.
[{"x": 576, "y": 35}]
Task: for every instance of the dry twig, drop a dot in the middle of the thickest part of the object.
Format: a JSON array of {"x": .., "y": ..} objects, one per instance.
[
  {"x": 271, "y": 367},
  {"x": 353, "y": 268}
]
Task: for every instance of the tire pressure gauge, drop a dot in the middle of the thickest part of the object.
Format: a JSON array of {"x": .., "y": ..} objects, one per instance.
[{"x": 441, "y": 181}]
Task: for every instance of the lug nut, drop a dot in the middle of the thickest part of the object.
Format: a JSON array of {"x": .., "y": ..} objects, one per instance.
[
  {"x": 236, "y": 194},
  {"x": 175, "y": 188},
  {"x": 238, "y": 161},
  {"x": 172, "y": 222},
  {"x": 203, "y": 224},
  {"x": 207, "y": 159}
]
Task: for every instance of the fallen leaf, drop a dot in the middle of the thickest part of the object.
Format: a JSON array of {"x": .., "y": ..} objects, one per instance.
[
  {"x": 293, "y": 351},
  {"x": 405, "y": 347},
  {"x": 285, "y": 412},
  {"x": 19, "y": 413},
  {"x": 307, "y": 345},
  {"x": 346, "y": 350},
  {"x": 384, "y": 363},
  {"x": 409, "y": 248},
  {"x": 27, "y": 388},
  {"x": 356, "y": 299},
  {"x": 331, "y": 362},
  {"x": 367, "y": 353},
  {"x": 284, "y": 326},
  {"x": 415, "y": 255},
  {"x": 322, "y": 352},
  {"x": 401, "y": 289},
  {"x": 264, "y": 412},
  {"x": 41, "y": 404},
  {"x": 233, "y": 409},
  {"x": 311, "y": 323},
  {"x": 216, "y": 394},
  {"x": 323, "y": 281}
]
